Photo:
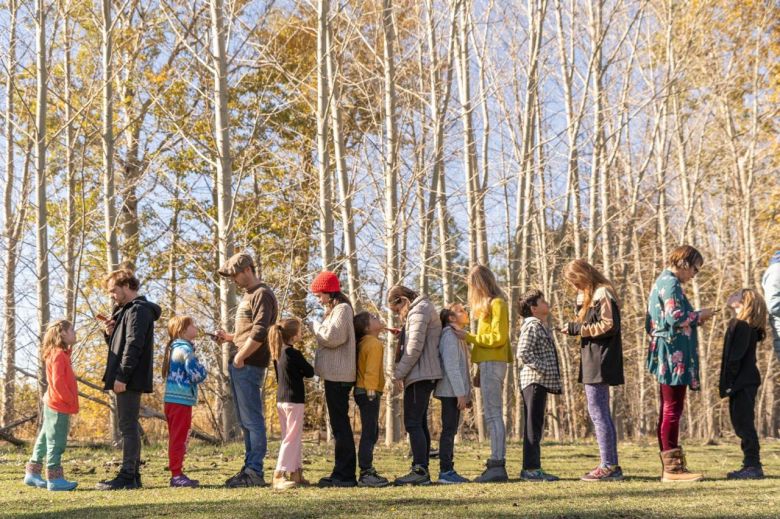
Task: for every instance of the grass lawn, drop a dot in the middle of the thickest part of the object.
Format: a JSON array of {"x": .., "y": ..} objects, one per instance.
[{"x": 641, "y": 495}]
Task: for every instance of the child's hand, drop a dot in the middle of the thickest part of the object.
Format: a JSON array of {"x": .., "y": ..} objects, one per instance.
[
  {"x": 399, "y": 385},
  {"x": 371, "y": 394},
  {"x": 463, "y": 402},
  {"x": 564, "y": 329}
]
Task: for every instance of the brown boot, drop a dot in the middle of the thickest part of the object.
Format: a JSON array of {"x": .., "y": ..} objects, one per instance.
[
  {"x": 283, "y": 480},
  {"x": 298, "y": 478},
  {"x": 675, "y": 467}
]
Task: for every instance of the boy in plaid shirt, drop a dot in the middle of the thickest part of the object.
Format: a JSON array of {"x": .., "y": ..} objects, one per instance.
[{"x": 539, "y": 375}]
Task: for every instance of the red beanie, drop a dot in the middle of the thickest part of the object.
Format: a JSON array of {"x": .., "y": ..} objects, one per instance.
[{"x": 325, "y": 282}]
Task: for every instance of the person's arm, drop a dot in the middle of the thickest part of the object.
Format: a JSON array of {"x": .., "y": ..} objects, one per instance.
[
  {"x": 604, "y": 326},
  {"x": 299, "y": 361},
  {"x": 739, "y": 340},
  {"x": 334, "y": 331},
  {"x": 448, "y": 349},
  {"x": 195, "y": 370},
  {"x": 262, "y": 313},
  {"x": 528, "y": 345},
  {"x": 416, "y": 329},
  {"x": 772, "y": 290},
  {"x": 673, "y": 302},
  {"x": 498, "y": 334},
  {"x": 137, "y": 322},
  {"x": 58, "y": 380},
  {"x": 372, "y": 356}
]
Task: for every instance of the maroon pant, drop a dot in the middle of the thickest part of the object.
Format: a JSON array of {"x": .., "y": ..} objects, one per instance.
[
  {"x": 672, "y": 402},
  {"x": 179, "y": 422}
]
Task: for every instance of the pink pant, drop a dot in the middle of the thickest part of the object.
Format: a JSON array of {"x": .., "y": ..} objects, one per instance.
[{"x": 291, "y": 422}]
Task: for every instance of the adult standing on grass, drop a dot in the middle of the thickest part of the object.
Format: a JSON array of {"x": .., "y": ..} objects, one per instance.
[
  {"x": 490, "y": 350},
  {"x": 335, "y": 362},
  {"x": 417, "y": 369},
  {"x": 250, "y": 357},
  {"x": 673, "y": 357},
  {"x": 130, "y": 338},
  {"x": 771, "y": 285}
]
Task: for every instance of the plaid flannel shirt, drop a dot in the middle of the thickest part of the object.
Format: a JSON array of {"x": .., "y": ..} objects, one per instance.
[{"x": 537, "y": 358}]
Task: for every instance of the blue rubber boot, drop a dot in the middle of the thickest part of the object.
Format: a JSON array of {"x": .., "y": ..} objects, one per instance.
[
  {"x": 57, "y": 481},
  {"x": 32, "y": 475}
]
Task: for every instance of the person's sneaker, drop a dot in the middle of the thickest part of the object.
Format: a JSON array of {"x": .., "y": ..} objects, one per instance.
[
  {"x": 32, "y": 475},
  {"x": 247, "y": 478},
  {"x": 746, "y": 473},
  {"x": 182, "y": 481},
  {"x": 450, "y": 477},
  {"x": 495, "y": 472},
  {"x": 537, "y": 475},
  {"x": 602, "y": 473},
  {"x": 229, "y": 482},
  {"x": 417, "y": 476},
  {"x": 122, "y": 481},
  {"x": 330, "y": 481},
  {"x": 370, "y": 478}
]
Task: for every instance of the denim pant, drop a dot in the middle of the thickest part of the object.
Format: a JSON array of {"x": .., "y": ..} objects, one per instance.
[
  {"x": 128, "y": 409},
  {"x": 337, "y": 399},
  {"x": 369, "y": 428},
  {"x": 450, "y": 417},
  {"x": 247, "y": 385},
  {"x": 52, "y": 439},
  {"x": 417, "y": 397},
  {"x": 491, "y": 382}
]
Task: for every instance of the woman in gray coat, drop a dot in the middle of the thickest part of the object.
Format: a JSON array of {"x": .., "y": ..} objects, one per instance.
[{"x": 417, "y": 370}]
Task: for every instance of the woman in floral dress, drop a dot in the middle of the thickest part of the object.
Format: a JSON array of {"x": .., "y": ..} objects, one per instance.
[{"x": 672, "y": 356}]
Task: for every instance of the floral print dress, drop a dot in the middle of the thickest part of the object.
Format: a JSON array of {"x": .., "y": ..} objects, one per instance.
[{"x": 671, "y": 322}]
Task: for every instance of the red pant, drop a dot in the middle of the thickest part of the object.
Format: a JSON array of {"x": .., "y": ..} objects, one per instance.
[
  {"x": 179, "y": 422},
  {"x": 672, "y": 402}
]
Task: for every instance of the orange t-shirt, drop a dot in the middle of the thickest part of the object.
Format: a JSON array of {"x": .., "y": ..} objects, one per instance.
[{"x": 63, "y": 393}]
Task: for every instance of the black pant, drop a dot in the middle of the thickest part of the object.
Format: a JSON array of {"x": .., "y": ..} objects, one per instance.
[
  {"x": 337, "y": 399},
  {"x": 535, "y": 403},
  {"x": 128, "y": 407},
  {"x": 450, "y": 417},
  {"x": 742, "y": 411},
  {"x": 369, "y": 428},
  {"x": 417, "y": 397}
]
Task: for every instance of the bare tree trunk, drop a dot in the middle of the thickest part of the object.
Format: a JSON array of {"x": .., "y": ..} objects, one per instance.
[
  {"x": 323, "y": 157},
  {"x": 70, "y": 219},
  {"x": 112, "y": 250}
]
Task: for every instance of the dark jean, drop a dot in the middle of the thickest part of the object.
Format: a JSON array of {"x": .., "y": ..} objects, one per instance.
[
  {"x": 417, "y": 398},
  {"x": 535, "y": 404},
  {"x": 247, "y": 386},
  {"x": 337, "y": 399},
  {"x": 128, "y": 408},
  {"x": 369, "y": 428},
  {"x": 450, "y": 417},
  {"x": 742, "y": 405}
]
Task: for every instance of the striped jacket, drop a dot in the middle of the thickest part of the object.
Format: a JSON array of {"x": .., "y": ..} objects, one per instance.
[{"x": 537, "y": 357}]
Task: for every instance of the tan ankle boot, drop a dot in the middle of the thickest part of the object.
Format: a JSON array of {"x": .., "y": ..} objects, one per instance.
[
  {"x": 676, "y": 469},
  {"x": 283, "y": 480},
  {"x": 297, "y": 476}
]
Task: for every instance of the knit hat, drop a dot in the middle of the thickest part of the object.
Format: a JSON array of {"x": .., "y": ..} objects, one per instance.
[{"x": 326, "y": 282}]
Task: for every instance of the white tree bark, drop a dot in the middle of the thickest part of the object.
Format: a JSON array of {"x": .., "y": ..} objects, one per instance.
[{"x": 323, "y": 155}]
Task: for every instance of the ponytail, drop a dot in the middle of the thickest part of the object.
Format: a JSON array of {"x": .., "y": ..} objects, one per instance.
[{"x": 281, "y": 334}]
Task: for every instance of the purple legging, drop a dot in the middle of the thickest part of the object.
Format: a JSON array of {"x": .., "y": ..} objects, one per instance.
[{"x": 598, "y": 409}]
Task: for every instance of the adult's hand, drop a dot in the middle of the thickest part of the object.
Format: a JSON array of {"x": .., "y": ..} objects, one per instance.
[
  {"x": 108, "y": 327},
  {"x": 238, "y": 362},
  {"x": 119, "y": 387},
  {"x": 705, "y": 314},
  {"x": 223, "y": 336}
]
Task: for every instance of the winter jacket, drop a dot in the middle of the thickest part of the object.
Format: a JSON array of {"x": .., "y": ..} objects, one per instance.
[
  {"x": 537, "y": 357},
  {"x": 738, "y": 368},
  {"x": 335, "y": 359},
  {"x": 370, "y": 364},
  {"x": 456, "y": 379},
  {"x": 62, "y": 394},
  {"x": 491, "y": 342},
  {"x": 291, "y": 368},
  {"x": 771, "y": 285},
  {"x": 185, "y": 372},
  {"x": 419, "y": 358},
  {"x": 131, "y": 346}
]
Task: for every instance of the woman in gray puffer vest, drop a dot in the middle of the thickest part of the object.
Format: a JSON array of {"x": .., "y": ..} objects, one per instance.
[{"x": 417, "y": 370}]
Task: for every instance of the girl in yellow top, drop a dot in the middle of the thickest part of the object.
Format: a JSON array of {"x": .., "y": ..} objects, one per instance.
[
  {"x": 368, "y": 393},
  {"x": 491, "y": 352}
]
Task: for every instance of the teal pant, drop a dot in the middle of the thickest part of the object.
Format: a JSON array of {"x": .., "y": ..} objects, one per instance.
[{"x": 52, "y": 439}]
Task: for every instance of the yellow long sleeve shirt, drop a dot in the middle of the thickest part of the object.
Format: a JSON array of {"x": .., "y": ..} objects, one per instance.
[
  {"x": 491, "y": 342},
  {"x": 370, "y": 364}
]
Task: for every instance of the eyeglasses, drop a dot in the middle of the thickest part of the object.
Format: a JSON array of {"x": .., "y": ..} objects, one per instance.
[{"x": 695, "y": 270}]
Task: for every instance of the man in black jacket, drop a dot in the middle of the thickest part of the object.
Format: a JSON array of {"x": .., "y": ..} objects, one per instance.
[{"x": 130, "y": 338}]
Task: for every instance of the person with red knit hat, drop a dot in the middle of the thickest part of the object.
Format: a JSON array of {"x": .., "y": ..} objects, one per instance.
[{"x": 335, "y": 363}]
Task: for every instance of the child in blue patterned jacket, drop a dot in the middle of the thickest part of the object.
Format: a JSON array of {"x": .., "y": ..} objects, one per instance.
[{"x": 182, "y": 372}]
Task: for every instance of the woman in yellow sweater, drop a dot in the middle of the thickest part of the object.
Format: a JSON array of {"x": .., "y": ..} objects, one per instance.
[{"x": 491, "y": 352}]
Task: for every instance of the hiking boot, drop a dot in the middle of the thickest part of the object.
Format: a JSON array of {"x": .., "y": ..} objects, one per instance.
[
  {"x": 370, "y": 478},
  {"x": 182, "y": 481},
  {"x": 746, "y": 473},
  {"x": 417, "y": 476},
  {"x": 604, "y": 473},
  {"x": 330, "y": 481},
  {"x": 676, "y": 469},
  {"x": 138, "y": 480},
  {"x": 495, "y": 472},
  {"x": 57, "y": 482},
  {"x": 32, "y": 475},
  {"x": 283, "y": 480},
  {"x": 450, "y": 477},
  {"x": 537, "y": 475},
  {"x": 246, "y": 478},
  {"x": 123, "y": 481}
]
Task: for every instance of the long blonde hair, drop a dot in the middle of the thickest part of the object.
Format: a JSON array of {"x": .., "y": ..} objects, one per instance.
[
  {"x": 483, "y": 288},
  {"x": 52, "y": 339},
  {"x": 588, "y": 279},
  {"x": 281, "y": 334},
  {"x": 177, "y": 325},
  {"x": 753, "y": 309}
]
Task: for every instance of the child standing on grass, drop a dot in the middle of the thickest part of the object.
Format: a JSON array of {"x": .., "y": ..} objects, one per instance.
[
  {"x": 368, "y": 394},
  {"x": 61, "y": 401},
  {"x": 454, "y": 389},
  {"x": 291, "y": 368},
  {"x": 182, "y": 373},
  {"x": 539, "y": 375},
  {"x": 739, "y": 376}
]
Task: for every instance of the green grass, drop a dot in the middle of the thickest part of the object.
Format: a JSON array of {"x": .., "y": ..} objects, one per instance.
[{"x": 641, "y": 495}]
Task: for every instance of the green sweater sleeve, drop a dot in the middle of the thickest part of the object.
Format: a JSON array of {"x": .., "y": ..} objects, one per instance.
[{"x": 497, "y": 335}]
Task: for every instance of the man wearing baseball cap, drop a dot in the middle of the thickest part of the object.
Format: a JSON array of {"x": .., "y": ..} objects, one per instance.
[{"x": 250, "y": 357}]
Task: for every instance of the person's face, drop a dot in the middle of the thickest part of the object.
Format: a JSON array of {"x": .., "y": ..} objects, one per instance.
[
  {"x": 461, "y": 315},
  {"x": 375, "y": 325},
  {"x": 323, "y": 298},
  {"x": 69, "y": 336},
  {"x": 243, "y": 279},
  {"x": 688, "y": 273},
  {"x": 298, "y": 336},
  {"x": 120, "y": 294},
  {"x": 542, "y": 309},
  {"x": 398, "y": 307},
  {"x": 190, "y": 333}
]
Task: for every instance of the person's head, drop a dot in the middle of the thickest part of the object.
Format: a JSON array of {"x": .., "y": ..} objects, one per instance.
[
  {"x": 326, "y": 287},
  {"x": 367, "y": 323},
  {"x": 483, "y": 288},
  {"x": 284, "y": 333},
  {"x": 60, "y": 335},
  {"x": 685, "y": 262},
  {"x": 587, "y": 279},
  {"x": 533, "y": 304},
  {"x": 399, "y": 300},
  {"x": 122, "y": 286},
  {"x": 454, "y": 315},
  {"x": 749, "y": 307},
  {"x": 240, "y": 268},
  {"x": 179, "y": 327}
]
